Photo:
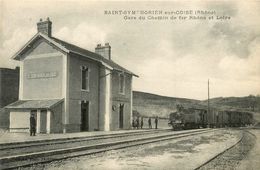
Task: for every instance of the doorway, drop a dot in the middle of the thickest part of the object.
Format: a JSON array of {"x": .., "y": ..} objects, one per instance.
[
  {"x": 43, "y": 121},
  {"x": 121, "y": 116},
  {"x": 33, "y": 113},
  {"x": 84, "y": 116}
]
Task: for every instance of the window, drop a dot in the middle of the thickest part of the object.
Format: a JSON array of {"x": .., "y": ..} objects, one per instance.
[
  {"x": 121, "y": 84},
  {"x": 84, "y": 78}
]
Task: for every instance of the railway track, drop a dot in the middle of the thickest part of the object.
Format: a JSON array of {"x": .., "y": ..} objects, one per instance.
[
  {"x": 15, "y": 145},
  {"x": 54, "y": 153},
  {"x": 230, "y": 157}
]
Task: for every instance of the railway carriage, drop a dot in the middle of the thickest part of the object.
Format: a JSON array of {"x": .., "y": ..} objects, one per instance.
[
  {"x": 223, "y": 119},
  {"x": 247, "y": 118},
  {"x": 233, "y": 118}
]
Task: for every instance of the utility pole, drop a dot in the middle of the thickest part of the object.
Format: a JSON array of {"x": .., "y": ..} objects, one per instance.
[
  {"x": 208, "y": 100},
  {"x": 208, "y": 95}
]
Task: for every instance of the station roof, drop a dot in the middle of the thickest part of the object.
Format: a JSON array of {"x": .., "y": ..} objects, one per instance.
[
  {"x": 34, "y": 104},
  {"x": 70, "y": 48}
]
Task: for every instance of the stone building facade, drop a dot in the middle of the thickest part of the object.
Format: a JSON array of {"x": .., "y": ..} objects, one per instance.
[{"x": 68, "y": 88}]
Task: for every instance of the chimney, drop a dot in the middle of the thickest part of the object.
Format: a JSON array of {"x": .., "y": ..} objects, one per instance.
[
  {"x": 104, "y": 51},
  {"x": 44, "y": 27}
]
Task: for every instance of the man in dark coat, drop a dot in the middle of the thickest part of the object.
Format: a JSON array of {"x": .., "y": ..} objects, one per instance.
[
  {"x": 156, "y": 122},
  {"x": 142, "y": 122},
  {"x": 137, "y": 122},
  {"x": 32, "y": 125},
  {"x": 150, "y": 123},
  {"x": 133, "y": 123}
]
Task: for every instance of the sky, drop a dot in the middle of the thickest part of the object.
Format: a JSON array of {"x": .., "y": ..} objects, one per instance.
[{"x": 172, "y": 57}]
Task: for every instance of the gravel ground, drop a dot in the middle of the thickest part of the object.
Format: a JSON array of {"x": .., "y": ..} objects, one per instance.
[
  {"x": 252, "y": 160},
  {"x": 231, "y": 159},
  {"x": 3, "y": 132},
  {"x": 185, "y": 153}
]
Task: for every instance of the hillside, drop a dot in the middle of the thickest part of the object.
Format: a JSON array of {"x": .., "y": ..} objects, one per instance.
[
  {"x": 249, "y": 103},
  {"x": 148, "y": 104}
]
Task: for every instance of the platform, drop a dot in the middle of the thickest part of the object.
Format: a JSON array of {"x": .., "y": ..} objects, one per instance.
[{"x": 7, "y": 137}]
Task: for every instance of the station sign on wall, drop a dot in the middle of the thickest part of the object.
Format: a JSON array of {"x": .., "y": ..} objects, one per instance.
[{"x": 42, "y": 75}]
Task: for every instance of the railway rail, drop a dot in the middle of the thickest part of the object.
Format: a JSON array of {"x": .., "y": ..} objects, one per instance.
[
  {"x": 98, "y": 144},
  {"x": 230, "y": 157},
  {"x": 15, "y": 145}
]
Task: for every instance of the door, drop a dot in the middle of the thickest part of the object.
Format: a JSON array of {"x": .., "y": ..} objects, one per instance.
[
  {"x": 84, "y": 115},
  {"x": 43, "y": 121},
  {"x": 121, "y": 116},
  {"x": 33, "y": 114}
]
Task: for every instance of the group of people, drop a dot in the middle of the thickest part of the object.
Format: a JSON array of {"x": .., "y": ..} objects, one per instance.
[{"x": 137, "y": 123}]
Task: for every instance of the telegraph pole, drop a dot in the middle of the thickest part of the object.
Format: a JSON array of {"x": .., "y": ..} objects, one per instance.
[
  {"x": 208, "y": 95},
  {"x": 208, "y": 99}
]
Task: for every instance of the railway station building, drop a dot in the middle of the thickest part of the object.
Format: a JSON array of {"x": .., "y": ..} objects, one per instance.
[{"x": 68, "y": 88}]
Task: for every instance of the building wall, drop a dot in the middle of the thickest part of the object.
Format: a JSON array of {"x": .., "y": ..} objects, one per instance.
[
  {"x": 42, "y": 73},
  {"x": 56, "y": 119},
  {"x": 4, "y": 118},
  {"x": 43, "y": 77},
  {"x": 40, "y": 46},
  {"x": 49, "y": 87},
  {"x": 76, "y": 94},
  {"x": 118, "y": 99},
  {"x": 19, "y": 120}
]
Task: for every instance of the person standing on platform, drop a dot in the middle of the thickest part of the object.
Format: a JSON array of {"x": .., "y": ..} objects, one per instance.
[
  {"x": 32, "y": 125},
  {"x": 150, "y": 123},
  {"x": 137, "y": 122},
  {"x": 156, "y": 122},
  {"x": 133, "y": 123},
  {"x": 142, "y": 122}
]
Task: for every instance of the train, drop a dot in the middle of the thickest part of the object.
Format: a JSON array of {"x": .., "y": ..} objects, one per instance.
[{"x": 194, "y": 117}]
